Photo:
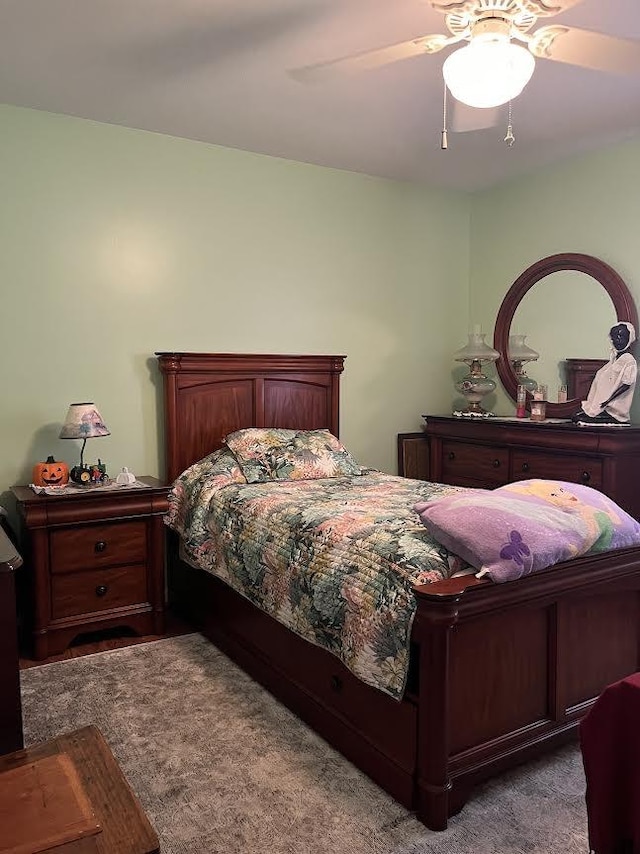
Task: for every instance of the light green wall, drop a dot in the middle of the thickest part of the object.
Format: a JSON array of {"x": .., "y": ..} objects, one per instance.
[
  {"x": 117, "y": 243},
  {"x": 588, "y": 204}
]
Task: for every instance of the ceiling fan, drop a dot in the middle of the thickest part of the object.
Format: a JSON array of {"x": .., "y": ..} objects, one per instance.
[{"x": 501, "y": 46}]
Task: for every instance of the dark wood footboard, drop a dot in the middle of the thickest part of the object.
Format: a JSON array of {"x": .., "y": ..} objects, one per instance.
[{"x": 507, "y": 671}]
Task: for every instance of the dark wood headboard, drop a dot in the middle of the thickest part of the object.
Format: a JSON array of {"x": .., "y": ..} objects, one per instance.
[{"x": 207, "y": 395}]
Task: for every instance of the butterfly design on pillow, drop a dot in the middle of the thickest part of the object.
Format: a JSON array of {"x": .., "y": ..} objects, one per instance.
[{"x": 516, "y": 549}]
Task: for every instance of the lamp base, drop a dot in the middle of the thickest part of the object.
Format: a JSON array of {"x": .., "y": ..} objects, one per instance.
[
  {"x": 528, "y": 382},
  {"x": 474, "y": 387}
]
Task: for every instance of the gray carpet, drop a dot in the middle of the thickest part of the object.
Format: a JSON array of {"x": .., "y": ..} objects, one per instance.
[{"x": 220, "y": 766}]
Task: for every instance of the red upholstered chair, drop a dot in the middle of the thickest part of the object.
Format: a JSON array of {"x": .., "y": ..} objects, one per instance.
[{"x": 610, "y": 743}]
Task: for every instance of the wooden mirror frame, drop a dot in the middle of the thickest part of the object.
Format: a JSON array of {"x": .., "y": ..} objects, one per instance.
[{"x": 600, "y": 271}]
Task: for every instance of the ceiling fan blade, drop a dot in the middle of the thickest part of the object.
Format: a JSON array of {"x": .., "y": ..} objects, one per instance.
[
  {"x": 212, "y": 39},
  {"x": 539, "y": 8},
  {"x": 453, "y": 5},
  {"x": 465, "y": 119},
  {"x": 586, "y": 49},
  {"x": 370, "y": 59},
  {"x": 548, "y": 8}
]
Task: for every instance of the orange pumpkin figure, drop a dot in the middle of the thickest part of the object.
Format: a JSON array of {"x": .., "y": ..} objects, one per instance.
[{"x": 50, "y": 473}]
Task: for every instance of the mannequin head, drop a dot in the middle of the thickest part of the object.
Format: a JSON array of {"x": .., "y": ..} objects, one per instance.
[{"x": 622, "y": 336}]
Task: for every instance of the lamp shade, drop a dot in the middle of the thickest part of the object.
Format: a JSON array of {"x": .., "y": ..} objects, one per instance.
[
  {"x": 488, "y": 73},
  {"x": 519, "y": 351},
  {"x": 476, "y": 350},
  {"x": 83, "y": 421}
]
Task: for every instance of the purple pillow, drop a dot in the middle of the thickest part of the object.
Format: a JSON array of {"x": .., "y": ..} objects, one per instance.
[{"x": 526, "y": 526}]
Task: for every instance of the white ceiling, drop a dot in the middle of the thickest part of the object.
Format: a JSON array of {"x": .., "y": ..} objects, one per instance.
[{"x": 218, "y": 71}]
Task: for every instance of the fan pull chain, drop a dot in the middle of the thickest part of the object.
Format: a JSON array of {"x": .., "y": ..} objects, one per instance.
[
  {"x": 444, "y": 143},
  {"x": 510, "y": 138}
]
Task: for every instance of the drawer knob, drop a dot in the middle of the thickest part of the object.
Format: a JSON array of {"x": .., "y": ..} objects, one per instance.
[
  {"x": 100, "y": 547},
  {"x": 496, "y": 464},
  {"x": 585, "y": 477},
  {"x": 525, "y": 466},
  {"x": 336, "y": 683},
  {"x": 101, "y": 589},
  {"x": 452, "y": 456}
]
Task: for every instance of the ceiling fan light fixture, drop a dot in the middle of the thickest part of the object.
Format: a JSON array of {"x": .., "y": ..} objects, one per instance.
[{"x": 488, "y": 73}]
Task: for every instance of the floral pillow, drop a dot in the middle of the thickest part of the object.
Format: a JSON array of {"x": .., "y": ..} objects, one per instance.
[
  {"x": 526, "y": 526},
  {"x": 273, "y": 453}
]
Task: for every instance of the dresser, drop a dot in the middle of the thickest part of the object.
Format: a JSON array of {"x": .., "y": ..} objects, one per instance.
[
  {"x": 95, "y": 560},
  {"x": 494, "y": 451}
]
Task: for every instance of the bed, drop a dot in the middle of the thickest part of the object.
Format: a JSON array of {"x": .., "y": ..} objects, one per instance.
[{"x": 499, "y": 673}]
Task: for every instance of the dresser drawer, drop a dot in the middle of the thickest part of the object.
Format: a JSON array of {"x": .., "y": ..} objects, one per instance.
[
  {"x": 95, "y": 546},
  {"x": 468, "y": 464},
  {"x": 575, "y": 469},
  {"x": 97, "y": 590}
]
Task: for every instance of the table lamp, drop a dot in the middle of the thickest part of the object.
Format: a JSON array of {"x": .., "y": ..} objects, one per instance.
[
  {"x": 84, "y": 422},
  {"x": 475, "y": 385},
  {"x": 519, "y": 354}
]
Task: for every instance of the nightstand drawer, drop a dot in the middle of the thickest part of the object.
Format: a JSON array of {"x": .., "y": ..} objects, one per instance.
[
  {"x": 569, "y": 467},
  {"x": 463, "y": 462},
  {"x": 97, "y": 590},
  {"x": 94, "y": 546}
]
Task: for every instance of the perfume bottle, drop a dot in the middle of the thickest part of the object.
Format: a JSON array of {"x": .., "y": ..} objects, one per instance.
[{"x": 521, "y": 402}]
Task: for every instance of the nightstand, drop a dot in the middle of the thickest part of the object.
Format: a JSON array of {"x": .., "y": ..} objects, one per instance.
[{"x": 95, "y": 558}]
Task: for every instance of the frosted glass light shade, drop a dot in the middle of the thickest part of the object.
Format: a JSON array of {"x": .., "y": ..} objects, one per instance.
[
  {"x": 476, "y": 350},
  {"x": 519, "y": 351},
  {"x": 488, "y": 73}
]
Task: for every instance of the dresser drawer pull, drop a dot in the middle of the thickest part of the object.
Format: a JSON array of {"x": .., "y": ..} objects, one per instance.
[
  {"x": 101, "y": 589},
  {"x": 452, "y": 456},
  {"x": 336, "y": 683},
  {"x": 100, "y": 547},
  {"x": 525, "y": 466},
  {"x": 585, "y": 477},
  {"x": 496, "y": 464}
]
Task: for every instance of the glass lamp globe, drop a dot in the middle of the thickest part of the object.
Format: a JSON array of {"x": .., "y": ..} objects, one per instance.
[{"x": 488, "y": 73}]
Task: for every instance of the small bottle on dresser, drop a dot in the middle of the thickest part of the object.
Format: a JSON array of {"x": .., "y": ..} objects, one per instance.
[{"x": 539, "y": 404}]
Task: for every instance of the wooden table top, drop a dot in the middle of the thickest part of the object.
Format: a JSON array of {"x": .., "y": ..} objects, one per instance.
[{"x": 125, "y": 827}]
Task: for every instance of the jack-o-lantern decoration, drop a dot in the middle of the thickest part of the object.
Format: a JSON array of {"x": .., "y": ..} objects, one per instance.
[{"x": 51, "y": 473}]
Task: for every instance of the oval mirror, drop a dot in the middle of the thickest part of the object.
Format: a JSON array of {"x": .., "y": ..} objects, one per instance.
[{"x": 578, "y": 298}]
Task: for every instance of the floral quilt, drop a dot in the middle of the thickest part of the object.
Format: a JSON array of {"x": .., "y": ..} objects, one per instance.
[{"x": 334, "y": 559}]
